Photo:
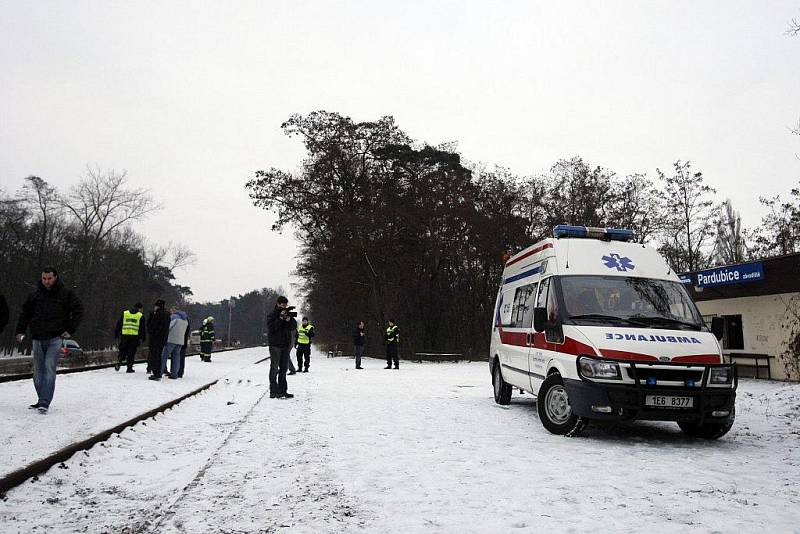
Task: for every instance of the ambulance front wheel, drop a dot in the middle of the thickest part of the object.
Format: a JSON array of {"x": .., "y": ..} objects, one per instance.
[
  {"x": 554, "y": 408},
  {"x": 502, "y": 389},
  {"x": 709, "y": 430}
]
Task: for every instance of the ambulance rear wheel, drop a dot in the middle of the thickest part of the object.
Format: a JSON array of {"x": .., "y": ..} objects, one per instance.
[
  {"x": 708, "y": 430},
  {"x": 554, "y": 409},
  {"x": 502, "y": 389}
]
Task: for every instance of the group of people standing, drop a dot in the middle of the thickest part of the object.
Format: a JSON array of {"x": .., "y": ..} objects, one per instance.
[
  {"x": 391, "y": 340},
  {"x": 168, "y": 334},
  {"x": 53, "y": 312}
]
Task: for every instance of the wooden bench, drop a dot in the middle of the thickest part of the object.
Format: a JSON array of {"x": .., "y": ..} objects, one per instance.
[
  {"x": 437, "y": 357},
  {"x": 756, "y": 361}
]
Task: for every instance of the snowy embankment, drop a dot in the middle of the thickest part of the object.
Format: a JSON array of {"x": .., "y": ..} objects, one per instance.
[{"x": 422, "y": 449}]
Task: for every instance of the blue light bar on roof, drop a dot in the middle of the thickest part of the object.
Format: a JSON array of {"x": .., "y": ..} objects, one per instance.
[{"x": 589, "y": 232}]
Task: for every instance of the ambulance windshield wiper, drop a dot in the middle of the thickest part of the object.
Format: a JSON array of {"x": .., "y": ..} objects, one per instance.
[
  {"x": 603, "y": 317},
  {"x": 665, "y": 320}
]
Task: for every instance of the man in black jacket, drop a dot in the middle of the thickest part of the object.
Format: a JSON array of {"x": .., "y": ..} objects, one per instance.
[
  {"x": 157, "y": 332},
  {"x": 53, "y": 313},
  {"x": 280, "y": 324}
]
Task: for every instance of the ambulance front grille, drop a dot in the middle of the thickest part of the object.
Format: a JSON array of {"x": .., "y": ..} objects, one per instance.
[{"x": 662, "y": 375}]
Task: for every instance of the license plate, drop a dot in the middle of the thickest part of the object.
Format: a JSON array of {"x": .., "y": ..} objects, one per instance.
[{"x": 668, "y": 401}]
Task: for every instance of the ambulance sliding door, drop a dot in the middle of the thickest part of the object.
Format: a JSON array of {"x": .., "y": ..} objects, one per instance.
[{"x": 521, "y": 326}]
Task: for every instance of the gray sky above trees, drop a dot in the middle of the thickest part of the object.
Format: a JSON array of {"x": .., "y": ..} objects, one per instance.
[{"x": 189, "y": 98}]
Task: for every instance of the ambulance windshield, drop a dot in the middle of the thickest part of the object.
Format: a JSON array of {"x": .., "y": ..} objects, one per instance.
[{"x": 623, "y": 301}]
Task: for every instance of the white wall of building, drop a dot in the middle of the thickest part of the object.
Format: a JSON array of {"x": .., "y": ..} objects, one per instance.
[{"x": 768, "y": 324}]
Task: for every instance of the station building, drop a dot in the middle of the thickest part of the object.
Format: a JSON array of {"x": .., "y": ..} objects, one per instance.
[{"x": 759, "y": 303}]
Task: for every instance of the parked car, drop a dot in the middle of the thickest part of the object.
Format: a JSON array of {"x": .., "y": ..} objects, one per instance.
[
  {"x": 194, "y": 339},
  {"x": 70, "y": 347}
]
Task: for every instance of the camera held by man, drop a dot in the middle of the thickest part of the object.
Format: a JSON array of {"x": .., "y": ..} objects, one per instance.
[{"x": 288, "y": 313}]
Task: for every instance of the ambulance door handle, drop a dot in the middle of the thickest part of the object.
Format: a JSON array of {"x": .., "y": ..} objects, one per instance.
[{"x": 528, "y": 338}]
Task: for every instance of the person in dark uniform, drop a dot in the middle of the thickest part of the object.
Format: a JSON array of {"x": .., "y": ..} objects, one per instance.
[
  {"x": 302, "y": 344},
  {"x": 280, "y": 324},
  {"x": 157, "y": 332},
  {"x": 359, "y": 341},
  {"x": 207, "y": 335},
  {"x": 392, "y": 340},
  {"x": 53, "y": 313},
  {"x": 130, "y": 329}
]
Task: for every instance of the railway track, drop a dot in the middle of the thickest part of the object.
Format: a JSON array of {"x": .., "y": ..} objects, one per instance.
[{"x": 17, "y": 477}]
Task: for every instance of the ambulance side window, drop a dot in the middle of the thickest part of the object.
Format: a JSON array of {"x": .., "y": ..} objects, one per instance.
[
  {"x": 522, "y": 306},
  {"x": 553, "y": 333},
  {"x": 541, "y": 299},
  {"x": 530, "y": 304}
]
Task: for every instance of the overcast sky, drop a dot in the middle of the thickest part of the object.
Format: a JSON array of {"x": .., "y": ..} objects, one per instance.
[{"x": 188, "y": 97}]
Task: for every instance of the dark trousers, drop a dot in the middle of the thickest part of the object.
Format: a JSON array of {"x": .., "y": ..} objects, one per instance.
[
  {"x": 154, "y": 357},
  {"x": 278, "y": 363},
  {"x": 127, "y": 349},
  {"x": 303, "y": 351},
  {"x": 359, "y": 354},
  {"x": 205, "y": 349},
  {"x": 183, "y": 361},
  {"x": 391, "y": 355}
]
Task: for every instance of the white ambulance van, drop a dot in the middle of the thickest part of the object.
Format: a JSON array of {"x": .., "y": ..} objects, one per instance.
[{"x": 600, "y": 328}]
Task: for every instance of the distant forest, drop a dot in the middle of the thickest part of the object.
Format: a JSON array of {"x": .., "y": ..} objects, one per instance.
[
  {"x": 393, "y": 228},
  {"x": 89, "y": 234}
]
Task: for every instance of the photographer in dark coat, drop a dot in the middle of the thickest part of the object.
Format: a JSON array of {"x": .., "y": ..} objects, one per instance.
[
  {"x": 280, "y": 323},
  {"x": 157, "y": 332}
]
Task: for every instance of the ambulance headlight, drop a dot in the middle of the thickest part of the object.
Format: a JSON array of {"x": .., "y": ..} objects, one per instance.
[
  {"x": 721, "y": 375},
  {"x": 591, "y": 368}
]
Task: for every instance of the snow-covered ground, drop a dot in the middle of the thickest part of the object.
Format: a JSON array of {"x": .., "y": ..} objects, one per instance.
[
  {"x": 422, "y": 449},
  {"x": 88, "y": 403}
]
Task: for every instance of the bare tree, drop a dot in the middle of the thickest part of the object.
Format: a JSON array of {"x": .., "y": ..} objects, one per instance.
[
  {"x": 101, "y": 204},
  {"x": 172, "y": 256},
  {"x": 730, "y": 244},
  {"x": 42, "y": 198},
  {"x": 637, "y": 204},
  {"x": 690, "y": 215}
]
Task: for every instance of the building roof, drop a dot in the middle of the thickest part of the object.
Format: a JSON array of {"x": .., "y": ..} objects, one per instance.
[{"x": 781, "y": 274}]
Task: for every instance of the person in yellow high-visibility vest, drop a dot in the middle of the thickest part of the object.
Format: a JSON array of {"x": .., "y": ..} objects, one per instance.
[
  {"x": 392, "y": 341},
  {"x": 129, "y": 331},
  {"x": 302, "y": 344}
]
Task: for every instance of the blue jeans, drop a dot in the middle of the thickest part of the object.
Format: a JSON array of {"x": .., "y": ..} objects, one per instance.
[
  {"x": 359, "y": 354},
  {"x": 45, "y": 357},
  {"x": 171, "y": 352}
]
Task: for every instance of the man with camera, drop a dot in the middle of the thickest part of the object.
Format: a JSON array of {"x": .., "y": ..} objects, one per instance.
[{"x": 280, "y": 323}]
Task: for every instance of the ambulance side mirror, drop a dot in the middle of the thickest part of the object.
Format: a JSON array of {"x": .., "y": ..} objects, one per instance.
[
  {"x": 539, "y": 319},
  {"x": 717, "y": 326}
]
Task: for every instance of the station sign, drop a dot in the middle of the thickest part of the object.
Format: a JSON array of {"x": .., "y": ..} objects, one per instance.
[{"x": 730, "y": 275}]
